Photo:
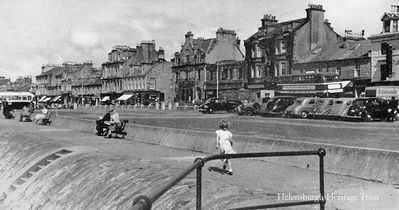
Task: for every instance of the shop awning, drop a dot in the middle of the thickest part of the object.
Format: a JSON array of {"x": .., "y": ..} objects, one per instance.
[
  {"x": 56, "y": 98},
  {"x": 124, "y": 97},
  {"x": 47, "y": 99},
  {"x": 41, "y": 99},
  {"x": 105, "y": 98}
]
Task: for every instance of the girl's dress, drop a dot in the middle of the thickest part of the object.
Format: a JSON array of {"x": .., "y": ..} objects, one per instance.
[{"x": 223, "y": 139}]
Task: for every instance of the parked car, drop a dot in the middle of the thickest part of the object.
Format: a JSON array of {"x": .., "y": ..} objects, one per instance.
[
  {"x": 340, "y": 107},
  {"x": 369, "y": 109},
  {"x": 320, "y": 107},
  {"x": 218, "y": 104},
  {"x": 301, "y": 107},
  {"x": 277, "y": 105},
  {"x": 249, "y": 109}
]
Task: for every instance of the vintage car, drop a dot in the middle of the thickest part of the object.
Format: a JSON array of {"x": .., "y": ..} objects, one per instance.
[
  {"x": 320, "y": 107},
  {"x": 301, "y": 107},
  {"x": 212, "y": 105},
  {"x": 369, "y": 109},
  {"x": 276, "y": 106},
  {"x": 340, "y": 106}
]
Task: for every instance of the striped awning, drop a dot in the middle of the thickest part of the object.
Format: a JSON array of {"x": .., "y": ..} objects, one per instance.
[
  {"x": 41, "y": 99},
  {"x": 105, "y": 98},
  {"x": 124, "y": 97},
  {"x": 56, "y": 98},
  {"x": 47, "y": 99}
]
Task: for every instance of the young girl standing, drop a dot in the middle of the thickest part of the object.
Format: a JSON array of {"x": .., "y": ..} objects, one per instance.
[{"x": 224, "y": 141}]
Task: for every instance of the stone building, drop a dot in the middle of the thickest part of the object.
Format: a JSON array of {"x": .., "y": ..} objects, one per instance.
[
  {"x": 113, "y": 72},
  {"x": 196, "y": 66},
  {"x": 137, "y": 75},
  {"x": 350, "y": 60},
  {"x": 385, "y": 56},
  {"x": 275, "y": 47}
]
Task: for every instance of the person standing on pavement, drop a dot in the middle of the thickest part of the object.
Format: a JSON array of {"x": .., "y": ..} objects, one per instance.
[
  {"x": 393, "y": 108},
  {"x": 224, "y": 142}
]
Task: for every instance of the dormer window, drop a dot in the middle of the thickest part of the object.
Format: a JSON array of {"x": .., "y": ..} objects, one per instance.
[{"x": 387, "y": 26}]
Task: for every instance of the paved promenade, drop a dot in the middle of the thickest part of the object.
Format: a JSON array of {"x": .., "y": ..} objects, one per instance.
[{"x": 276, "y": 182}]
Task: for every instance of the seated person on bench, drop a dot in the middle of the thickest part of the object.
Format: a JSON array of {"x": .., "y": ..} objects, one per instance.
[
  {"x": 100, "y": 124},
  {"x": 39, "y": 117},
  {"x": 25, "y": 115},
  {"x": 113, "y": 122}
]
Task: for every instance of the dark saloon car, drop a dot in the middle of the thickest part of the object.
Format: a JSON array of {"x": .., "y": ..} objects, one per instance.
[
  {"x": 276, "y": 106},
  {"x": 368, "y": 109},
  {"x": 212, "y": 105}
]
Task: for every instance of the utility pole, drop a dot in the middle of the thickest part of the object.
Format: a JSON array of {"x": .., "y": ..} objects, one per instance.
[
  {"x": 217, "y": 79},
  {"x": 82, "y": 87}
]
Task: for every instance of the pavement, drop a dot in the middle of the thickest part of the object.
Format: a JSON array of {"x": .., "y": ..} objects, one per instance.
[{"x": 277, "y": 182}]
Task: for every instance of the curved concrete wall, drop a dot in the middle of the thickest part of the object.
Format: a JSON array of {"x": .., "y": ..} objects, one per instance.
[
  {"x": 84, "y": 178},
  {"x": 364, "y": 163}
]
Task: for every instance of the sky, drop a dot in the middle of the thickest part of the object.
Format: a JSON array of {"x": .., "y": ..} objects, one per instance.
[{"x": 37, "y": 32}]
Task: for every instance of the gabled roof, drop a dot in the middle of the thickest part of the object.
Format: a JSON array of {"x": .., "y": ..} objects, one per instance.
[
  {"x": 278, "y": 28},
  {"x": 203, "y": 44},
  {"x": 341, "y": 51},
  {"x": 390, "y": 16}
]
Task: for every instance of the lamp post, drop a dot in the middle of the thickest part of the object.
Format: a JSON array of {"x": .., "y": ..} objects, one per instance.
[
  {"x": 82, "y": 88},
  {"x": 217, "y": 79}
]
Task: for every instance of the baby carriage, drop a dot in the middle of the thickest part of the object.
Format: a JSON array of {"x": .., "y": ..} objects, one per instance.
[{"x": 117, "y": 130}]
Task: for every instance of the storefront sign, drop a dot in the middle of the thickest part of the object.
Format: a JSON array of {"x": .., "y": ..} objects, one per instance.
[{"x": 299, "y": 87}]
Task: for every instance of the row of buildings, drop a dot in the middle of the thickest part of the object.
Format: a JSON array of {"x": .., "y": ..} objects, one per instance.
[{"x": 216, "y": 67}]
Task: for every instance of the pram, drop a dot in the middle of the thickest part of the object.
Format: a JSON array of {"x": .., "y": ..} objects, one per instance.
[{"x": 119, "y": 129}]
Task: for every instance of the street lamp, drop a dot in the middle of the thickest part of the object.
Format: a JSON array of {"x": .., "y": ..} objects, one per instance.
[
  {"x": 217, "y": 79},
  {"x": 82, "y": 88}
]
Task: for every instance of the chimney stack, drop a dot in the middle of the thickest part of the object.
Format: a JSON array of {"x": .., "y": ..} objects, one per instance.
[{"x": 268, "y": 20}]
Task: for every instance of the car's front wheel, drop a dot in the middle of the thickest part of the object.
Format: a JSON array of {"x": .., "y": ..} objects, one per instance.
[
  {"x": 304, "y": 114},
  {"x": 210, "y": 111}
]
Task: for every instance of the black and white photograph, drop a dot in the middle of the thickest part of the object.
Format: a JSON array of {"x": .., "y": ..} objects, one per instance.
[{"x": 199, "y": 104}]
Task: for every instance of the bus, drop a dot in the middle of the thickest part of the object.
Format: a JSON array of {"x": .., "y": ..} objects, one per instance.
[
  {"x": 314, "y": 84},
  {"x": 17, "y": 100}
]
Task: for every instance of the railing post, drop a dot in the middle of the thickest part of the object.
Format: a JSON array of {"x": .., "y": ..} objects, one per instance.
[
  {"x": 199, "y": 184},
  {"x": 321, "y": 154}
]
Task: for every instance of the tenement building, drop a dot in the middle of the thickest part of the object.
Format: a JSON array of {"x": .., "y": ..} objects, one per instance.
[
  {"x": 211, "y": 67},
  {"x": 275, "y": 47},
  {"x": 350, "y": 60},
  {"x": 137, "y": 75},
  {"x": 385, "y": 57}
]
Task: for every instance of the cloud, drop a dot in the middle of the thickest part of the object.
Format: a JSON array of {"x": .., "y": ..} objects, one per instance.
[
  {"x": 85, "y": 39},
  {"x": 53, "y": 31}
]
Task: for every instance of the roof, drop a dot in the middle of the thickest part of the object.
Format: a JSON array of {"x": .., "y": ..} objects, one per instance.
[
  {"x": 204, "y": 44},
  {"x": 390, "y": 16},
  {"x": 340, "y": 51},
  {"x": 278, "y": 28}
]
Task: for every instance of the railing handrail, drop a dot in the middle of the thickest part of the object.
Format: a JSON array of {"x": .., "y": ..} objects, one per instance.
[{"x": 144, "y": 202}]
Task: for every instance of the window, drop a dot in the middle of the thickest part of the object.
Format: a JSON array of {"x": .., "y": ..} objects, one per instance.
[
  {"x": 257, "y": 71},
  {"x": 283, "y": 47},
  {"x": 283, "y": 68},
  {"x": 240, "y": 73},
  {"x": 394, "y": 25},
  {"x": 252, "y": 72},
  {"x": 387, "y": 25},
  {"x": 356, "y": 72},
  {"x": 258, "y": 51},
  {"x": 338, "y": 71}
]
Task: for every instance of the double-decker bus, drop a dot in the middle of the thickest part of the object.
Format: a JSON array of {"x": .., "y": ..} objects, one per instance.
[
  {"x": 314, "y": 84},
  {"x": 17, "y": 100}
]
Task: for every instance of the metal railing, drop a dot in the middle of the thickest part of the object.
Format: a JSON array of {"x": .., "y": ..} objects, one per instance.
[{"x": 144, "y": 202}]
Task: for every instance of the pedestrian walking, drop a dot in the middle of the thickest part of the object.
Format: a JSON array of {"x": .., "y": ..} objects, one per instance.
[{"x": 224, "y": 142}]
